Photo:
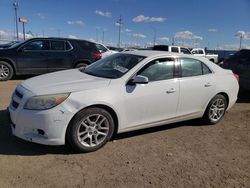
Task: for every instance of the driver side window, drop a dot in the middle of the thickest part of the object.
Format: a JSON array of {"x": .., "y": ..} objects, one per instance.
[
  {"x": 159, "y": 69},
  {"x": 37, "y": 45}
]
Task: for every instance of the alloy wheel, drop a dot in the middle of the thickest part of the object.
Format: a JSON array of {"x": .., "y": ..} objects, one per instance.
[
  {"x": 217, "y": 109},
  {"x": 4, "y": 71},
  {"x": 93, "y": 130}
]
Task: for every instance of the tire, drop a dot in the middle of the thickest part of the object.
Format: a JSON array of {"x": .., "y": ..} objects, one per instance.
[
  {"x": 6, "y": 71},
  {"x": 90, "y": 130},
  {"x": 212, "y": 60},
  {"x": 80, "y": 65},
  {"x": 215, "y": 110}
]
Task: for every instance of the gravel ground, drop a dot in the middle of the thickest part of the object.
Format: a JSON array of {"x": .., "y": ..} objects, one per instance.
[{"x": 186, "y": 154}]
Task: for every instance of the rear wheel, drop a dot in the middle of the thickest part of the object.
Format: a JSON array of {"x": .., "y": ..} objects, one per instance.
[
  {"x": 90, "y": 130},
  {"x": 215, "y": 109},
  {"x": 212, "y": 60},
  {"x": 81, "y": 65},
  {"x": 6, "y": 71}
]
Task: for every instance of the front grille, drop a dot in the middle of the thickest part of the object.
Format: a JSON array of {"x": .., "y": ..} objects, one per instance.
[
  {"x": 16, "y": 98},
  {"x": 18, "y": 94},
  {"x": 15, "y": 104}
]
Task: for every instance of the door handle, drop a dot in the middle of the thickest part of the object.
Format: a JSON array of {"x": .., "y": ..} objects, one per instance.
[
  {"x": 208, "y": 84},
  {"x": 172, "y": 90}
]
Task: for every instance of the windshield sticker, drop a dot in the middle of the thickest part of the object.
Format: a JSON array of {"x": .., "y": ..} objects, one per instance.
[{"x": 120, "y": 69}]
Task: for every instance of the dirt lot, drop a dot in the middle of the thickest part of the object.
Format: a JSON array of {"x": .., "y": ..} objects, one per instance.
[{"x": 186, "y": 154}]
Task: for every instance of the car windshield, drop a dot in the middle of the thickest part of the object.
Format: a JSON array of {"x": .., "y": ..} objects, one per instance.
[
  {"x": 114, "y": 66},
  {"x": 17, "y": 43}
]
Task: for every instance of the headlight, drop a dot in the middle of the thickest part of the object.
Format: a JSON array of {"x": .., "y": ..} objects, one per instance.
[{"x": 44, "y": 102}]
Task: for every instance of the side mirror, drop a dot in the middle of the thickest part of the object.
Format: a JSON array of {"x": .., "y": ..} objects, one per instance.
[
  {"x": 20, "y": 50},
  {"x": 139, "y": 79}
]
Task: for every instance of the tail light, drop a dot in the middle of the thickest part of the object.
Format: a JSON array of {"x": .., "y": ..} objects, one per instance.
[
  {"x": 237, "y": 77},
  {"x": 97, "y": 56}
]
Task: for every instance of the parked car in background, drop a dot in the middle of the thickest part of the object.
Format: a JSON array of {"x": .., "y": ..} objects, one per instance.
[
  {"x": 201, "y": 53},
  {"x": 239, "y": 63},
  {"x": 176, "y": 49},
  {"x": 117, "y": 49},
  {"x": 43, "y": 55},
  {"x": 123, "y": 92},
  {"x": 105, "y": 51}
]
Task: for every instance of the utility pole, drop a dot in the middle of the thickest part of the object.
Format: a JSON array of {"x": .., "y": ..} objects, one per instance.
[
  {"x": 119, "y": 22},
  {"x": 103, "y": 36},
  {"x": 154, "y": 37},
  {"x": 97, "y": 34},
  {"x": 241, "y": 37},
  {"x": 15, "y": 5}
]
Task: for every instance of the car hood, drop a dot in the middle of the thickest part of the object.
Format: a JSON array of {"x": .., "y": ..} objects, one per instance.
[{"x": 64, "y": 81}]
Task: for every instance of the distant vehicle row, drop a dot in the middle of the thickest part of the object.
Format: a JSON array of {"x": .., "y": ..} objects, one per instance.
[
  {"x": 43, "y": 55},
  {"x": 239, "y": 63},
  {"x": 179, "y": 49}
]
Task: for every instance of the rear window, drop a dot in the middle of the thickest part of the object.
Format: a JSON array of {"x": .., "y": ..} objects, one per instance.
[
  {"x": 57, "y": 45},
  {"x": 174, "y": 49},
  {"x": 60, "y": 45},
  {"x": 84, "y": 45},
  {"x": 160, "y": 48},
  {"x": 185, "y": 51}
]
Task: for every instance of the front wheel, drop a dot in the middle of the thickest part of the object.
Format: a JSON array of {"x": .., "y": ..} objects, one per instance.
[
  {"x": 90, "y": 130},
  {"x": 215, "y": 109},
  {"x": 6, "y": 71}
]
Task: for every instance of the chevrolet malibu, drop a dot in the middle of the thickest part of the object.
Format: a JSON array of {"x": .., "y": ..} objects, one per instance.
[{"x": 124, "y": 92}]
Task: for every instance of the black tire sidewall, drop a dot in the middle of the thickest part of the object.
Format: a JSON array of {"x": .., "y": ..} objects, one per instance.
[
  {"x": 73, "y": 126},
  {"x": 11, "y": 72}
]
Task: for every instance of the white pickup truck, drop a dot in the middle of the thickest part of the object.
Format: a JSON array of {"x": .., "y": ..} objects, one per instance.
[{"x": 201, "y": 52}]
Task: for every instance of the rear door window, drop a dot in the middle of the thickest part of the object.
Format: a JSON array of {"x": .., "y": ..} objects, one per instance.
[
  {"x": 87, "y": 46},
  {"x": 185, "y": 51},
  {"x": 58, "y": 45},
  {"x": 174, "y": 49},
  {"x": 191, "y": 67}
]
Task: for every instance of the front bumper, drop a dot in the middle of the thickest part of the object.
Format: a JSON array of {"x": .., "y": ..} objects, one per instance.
[
  {"x": 40, "y": 126},
  {"x": 46, "y": 127}
]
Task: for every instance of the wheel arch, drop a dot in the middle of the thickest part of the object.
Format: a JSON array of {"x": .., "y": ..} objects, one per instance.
[
  {"x": 112, "y": 112},
  {"x": 82, "y": 61},
  {"x": 219, "y": 93},
  {"x": 225, "y": 95}
]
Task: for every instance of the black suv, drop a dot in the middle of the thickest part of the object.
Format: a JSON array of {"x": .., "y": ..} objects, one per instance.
[
  {"x": 239, "y": 63},
  {"x": 43, "y": 55}
]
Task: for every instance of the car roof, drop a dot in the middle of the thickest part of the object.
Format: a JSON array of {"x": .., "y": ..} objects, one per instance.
[
  {"x": 60, "y": 38},
  {"x": 149, "y": 53}
]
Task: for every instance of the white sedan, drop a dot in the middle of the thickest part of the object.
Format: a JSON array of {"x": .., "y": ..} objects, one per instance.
[{"x": 123, "y": 92}]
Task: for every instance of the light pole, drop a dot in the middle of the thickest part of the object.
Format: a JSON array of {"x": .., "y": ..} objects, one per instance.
[
  {"x": 97, "y": 33},
  {"x": 154, "y": 36},
  {"x": 119, "y": 22},
  {"x": 103, "y": 36},
  {"x": 241, "y": 37},
  {"x": 23, "y": 20},
  {"x": 15, "y": 5}
]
